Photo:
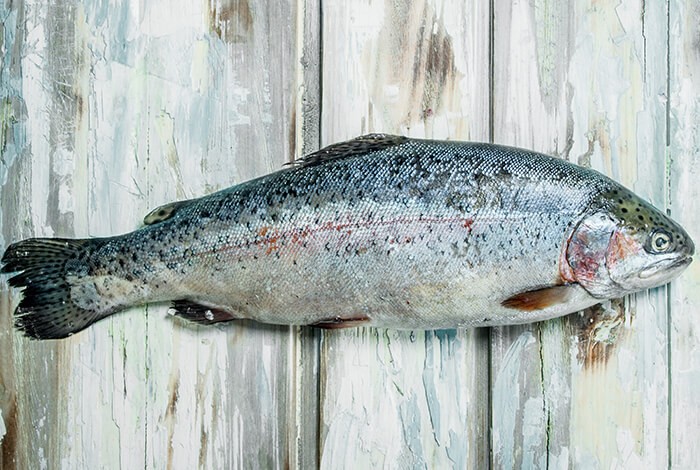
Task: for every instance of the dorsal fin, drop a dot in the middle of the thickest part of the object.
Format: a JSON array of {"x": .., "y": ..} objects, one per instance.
[
  {"x": 359, "y": 145},
  {"x": 163, "y": 212}
]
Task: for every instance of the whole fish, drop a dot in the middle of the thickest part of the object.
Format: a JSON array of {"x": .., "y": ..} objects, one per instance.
[{"x": 381, "y": 230}]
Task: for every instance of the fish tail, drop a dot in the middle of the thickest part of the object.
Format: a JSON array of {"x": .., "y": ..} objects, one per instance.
[{"x": 52, "y": 274}]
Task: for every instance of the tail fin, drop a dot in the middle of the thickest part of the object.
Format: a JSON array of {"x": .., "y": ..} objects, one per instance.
[{"x": 48, "y": 268}]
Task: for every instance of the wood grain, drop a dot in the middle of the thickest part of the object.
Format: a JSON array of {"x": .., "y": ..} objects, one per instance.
[
  {"x": 684, "y": 194},
  {"x": 110, "y": 109}
]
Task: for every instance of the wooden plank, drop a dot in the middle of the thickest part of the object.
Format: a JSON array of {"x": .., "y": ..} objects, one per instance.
[
  {"x": 50, "y": 181},
  {"x": 304, "y": 368},
  {"x": 582, "y": 81},
  {"x": 13, "y": 144},
  {"x": 684, "y": 194},
  {"x": 116, "y": 110},
  {"x": 396, "y": 398}
]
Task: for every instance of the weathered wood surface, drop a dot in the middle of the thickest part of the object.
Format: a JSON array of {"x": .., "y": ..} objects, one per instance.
[
  {"x": 684, "y": 197},
  {"x": 583, "y": 81},
  {"x": 109, "y": 109}
]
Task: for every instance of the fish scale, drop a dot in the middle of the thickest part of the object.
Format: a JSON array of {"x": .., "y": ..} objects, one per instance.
[{"x": 381, "y": 231}]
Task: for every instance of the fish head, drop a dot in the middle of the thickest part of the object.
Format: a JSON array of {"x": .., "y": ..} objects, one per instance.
[{"x": 626, "y": 245}]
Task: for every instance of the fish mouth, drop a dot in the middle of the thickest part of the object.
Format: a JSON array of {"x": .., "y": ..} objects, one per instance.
[{"x": 666, "y": 267}]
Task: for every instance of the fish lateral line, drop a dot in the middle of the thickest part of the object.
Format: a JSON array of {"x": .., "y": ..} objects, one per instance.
[{"x": 269, "y": 237}]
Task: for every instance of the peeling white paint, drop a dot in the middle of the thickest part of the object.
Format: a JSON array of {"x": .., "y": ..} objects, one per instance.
[
  {"x": 3, "y": 429},
  {"x": 199, "y": 72},
  {"x": 506, "y": 399}
]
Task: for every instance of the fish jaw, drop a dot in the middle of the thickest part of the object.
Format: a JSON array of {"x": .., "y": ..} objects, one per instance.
[
  {"x": 631, "y": 266},
  {"x": 669, "y": 269}
]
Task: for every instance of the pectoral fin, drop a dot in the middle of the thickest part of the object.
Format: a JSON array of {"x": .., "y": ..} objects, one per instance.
[{"x": 539, "y": 299}]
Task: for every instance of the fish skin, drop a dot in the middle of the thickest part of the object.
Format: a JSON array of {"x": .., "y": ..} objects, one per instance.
[{"x": 380, "y": 230}]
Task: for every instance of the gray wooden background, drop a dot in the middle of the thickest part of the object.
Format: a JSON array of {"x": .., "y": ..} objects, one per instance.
[{"x": 108, "y": 109}]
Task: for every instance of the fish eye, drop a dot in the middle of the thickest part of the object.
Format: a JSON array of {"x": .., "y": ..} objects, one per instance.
[{"x": 660, "y": 241}]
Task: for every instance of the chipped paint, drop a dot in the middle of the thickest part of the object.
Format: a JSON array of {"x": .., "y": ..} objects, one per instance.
[
  {"x": 684, "y": 168},
  {"x": 408, "y": 391},
  {"x": 109, "y": 110},
  {"x": 420, "y": 83},
  {"x": 230, "y": 20},
  {"x": 506, "y": 399},
  {"x": 598, "y": 331}
]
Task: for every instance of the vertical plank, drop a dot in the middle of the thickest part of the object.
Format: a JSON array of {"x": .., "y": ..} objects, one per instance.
[
  {"x": 108, "y": 110},
  {"x": 684, "y": 162},
  {"x": 304, "y": 434},
  {"x": 396, "y": 398},
  {"x": 12, "y": 144},
  {"x": 581, "y": 80}
]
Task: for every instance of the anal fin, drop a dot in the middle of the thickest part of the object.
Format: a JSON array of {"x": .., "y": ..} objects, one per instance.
[
  {"x": 199, "y": 313},
  {"x": 539, "y": 299},
  {"x": 338, "y": 322}
]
